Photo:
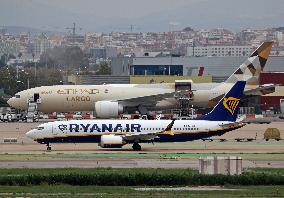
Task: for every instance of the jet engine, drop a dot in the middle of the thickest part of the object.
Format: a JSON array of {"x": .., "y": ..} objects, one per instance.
[
  {"x": 108, "y": 109},
  {"x": 111, "y": 141}
]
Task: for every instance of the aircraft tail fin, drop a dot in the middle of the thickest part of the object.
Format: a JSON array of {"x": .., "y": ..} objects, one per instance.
[
  {"x": 250, "y": 70},
  {"x": 228, "y": 107}
]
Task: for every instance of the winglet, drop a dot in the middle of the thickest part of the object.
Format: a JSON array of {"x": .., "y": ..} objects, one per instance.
[{"x": 168, "y": 129}]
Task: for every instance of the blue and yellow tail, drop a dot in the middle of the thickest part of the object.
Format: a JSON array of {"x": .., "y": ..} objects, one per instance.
[{"x": 228, "y": 107}]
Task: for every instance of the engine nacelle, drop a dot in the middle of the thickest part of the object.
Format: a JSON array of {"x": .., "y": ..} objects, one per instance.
[
  {"x": 111, "y": 141},
  {"x": 108, "y": 109}
]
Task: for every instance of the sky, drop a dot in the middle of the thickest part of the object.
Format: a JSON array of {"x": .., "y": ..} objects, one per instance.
[{"x": 144, "y": 15}]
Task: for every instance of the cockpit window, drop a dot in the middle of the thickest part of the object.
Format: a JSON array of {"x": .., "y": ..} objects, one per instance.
[
  {"x": 17, "y": 96},
  {"x": 40, "y": 128}
]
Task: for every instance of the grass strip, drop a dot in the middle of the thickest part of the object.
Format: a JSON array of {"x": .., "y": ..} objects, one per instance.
[{"x": 136, "y": 177}]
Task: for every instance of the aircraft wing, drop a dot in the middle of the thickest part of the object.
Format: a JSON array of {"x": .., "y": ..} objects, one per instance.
[
  {"x": 231, "y": 125},
  {"x": 258, "y": 91},
  {"x": 261, "y": 90},
  {"x": 147, "y": 136},
  {"x": 147, "y": 100}
]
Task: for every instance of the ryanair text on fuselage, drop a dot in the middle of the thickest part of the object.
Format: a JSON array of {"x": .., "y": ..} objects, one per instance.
[{"x": 91, "y": 128}]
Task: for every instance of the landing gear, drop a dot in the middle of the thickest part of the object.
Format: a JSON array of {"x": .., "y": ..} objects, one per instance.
[
  {"x": 48, "y": 148},
  {"x": 136, "y": 147}
]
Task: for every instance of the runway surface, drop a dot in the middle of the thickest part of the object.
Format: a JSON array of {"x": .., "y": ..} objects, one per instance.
[{"x": 29, "y": 154}]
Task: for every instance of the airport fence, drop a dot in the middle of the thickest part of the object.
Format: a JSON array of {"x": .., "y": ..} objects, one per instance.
[{"x": 119, "y": 177}]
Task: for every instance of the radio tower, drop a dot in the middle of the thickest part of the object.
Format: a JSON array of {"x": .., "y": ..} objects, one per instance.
[{"x": 73, "y": 32}]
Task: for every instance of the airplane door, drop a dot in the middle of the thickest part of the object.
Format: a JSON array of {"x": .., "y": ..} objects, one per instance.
[
  {"x": 36, "y": 97},
  {"x": 282, "y": 105},
  {"x": 54, "y": 130}
]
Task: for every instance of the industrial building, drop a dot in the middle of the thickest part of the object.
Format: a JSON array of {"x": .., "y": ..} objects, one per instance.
[
  {"x": 273, "y": 101},
  {"x": 217, "y": 67}
]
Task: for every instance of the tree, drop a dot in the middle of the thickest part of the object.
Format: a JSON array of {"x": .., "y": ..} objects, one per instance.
[
  {"x": 188, "y": 29},
  {"x": 20, "y": 55},
  {"x": 12, "y": 85},
  {"x": 104, "y": 69},
  {"x": 2, "y": 64},
  {"x": 11, "y": 56},
  {"x": 67, "y": 57},
  {"x": 4, "y": 59}
]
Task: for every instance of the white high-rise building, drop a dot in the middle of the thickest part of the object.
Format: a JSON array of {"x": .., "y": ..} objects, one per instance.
[
  {"x": 219, "y": 50},
  {"x": 41, "y": 44},
  {"x": 9, "y": 47},
  {"x": 278, "y": 36}
]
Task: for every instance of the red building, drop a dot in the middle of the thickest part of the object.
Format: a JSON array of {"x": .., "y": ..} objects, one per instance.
[
  {"x": 273, "y": 100},
  {"x": 272, "y": 77}
]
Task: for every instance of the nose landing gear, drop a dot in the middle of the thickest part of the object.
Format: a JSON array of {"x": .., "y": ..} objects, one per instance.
[
  {"x": 48, "y": 148},
  {"x": 136, "y": 147}
]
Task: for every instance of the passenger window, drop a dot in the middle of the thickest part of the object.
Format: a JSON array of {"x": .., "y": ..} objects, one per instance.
[
  {"x": 17, "y": 96},
  {"x": 40, "y": 128}
]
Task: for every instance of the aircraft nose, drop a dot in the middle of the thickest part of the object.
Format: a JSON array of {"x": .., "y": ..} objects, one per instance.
[
  {"x": 31, "y": 134},
  {"x": 11, "y": 101}
]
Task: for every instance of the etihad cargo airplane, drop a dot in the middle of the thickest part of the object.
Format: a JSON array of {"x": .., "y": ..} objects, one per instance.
[
  {"x": 116, "y": 133},
  {"x": 108, "y": 101}
]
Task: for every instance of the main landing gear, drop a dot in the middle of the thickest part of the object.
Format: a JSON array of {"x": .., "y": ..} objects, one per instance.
[
  {"x": 136, "y": 147},
  {"x": 48, "y": 148}
]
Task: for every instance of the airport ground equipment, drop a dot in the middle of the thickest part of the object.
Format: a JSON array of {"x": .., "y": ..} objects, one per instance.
[
  {"x": 257, "y": 120},
  {"x": 8, "y": 114},
  {"x": 10, "y": 140},
  {"x": 32, "y": 113},
  {"x": 184, "y": 95},
  {"x": 272, "y": 133}
]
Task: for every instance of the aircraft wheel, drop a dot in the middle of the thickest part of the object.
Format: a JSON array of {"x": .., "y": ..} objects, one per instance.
[
  {"x": 136, "y": 147},
  {"x": 48, "y": 148}
]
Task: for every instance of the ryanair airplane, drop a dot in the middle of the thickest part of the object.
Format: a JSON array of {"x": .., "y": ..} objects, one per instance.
[{"x": 116, "y": 133}]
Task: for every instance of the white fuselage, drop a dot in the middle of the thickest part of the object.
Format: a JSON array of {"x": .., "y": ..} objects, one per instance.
[
  {"x": 81, "y": 130},
  {"x": 71, "y": 98}
]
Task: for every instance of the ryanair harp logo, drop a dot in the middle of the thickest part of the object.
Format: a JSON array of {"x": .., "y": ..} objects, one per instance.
[{"x": 231, "y": 104}]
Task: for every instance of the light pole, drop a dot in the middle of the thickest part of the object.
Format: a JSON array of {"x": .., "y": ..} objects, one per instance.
[{"x": 34, "y": 63}]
